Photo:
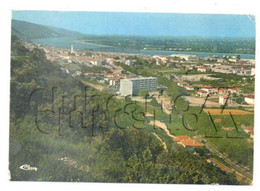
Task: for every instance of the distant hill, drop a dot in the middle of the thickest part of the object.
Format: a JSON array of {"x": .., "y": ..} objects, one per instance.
[{"x": 26, "y": 31}]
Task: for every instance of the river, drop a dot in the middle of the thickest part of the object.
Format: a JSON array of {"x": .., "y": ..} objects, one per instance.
[{"x": 66, "y": 43}]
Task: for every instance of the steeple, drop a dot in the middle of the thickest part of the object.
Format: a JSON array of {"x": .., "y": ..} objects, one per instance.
[{"x": 71, "y": 49}]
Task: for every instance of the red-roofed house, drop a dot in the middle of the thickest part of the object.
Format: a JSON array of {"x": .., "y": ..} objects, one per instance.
[
  {"x": 208, "y": 89},
  {"x": 185, "y": 141},
  {"x": 190, "y": 143},
  {"x": 221, "y": 91},
  {"x": 182, "y": 84},
  {"x": 181, "y": 137},
  {"x": 203, "y": 69},
  {"x": 189, "y": 87},
  {"x": 202, "y": 93}
]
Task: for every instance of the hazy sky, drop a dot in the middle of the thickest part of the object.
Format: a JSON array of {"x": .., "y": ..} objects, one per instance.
[{"x": 144, "y": 23}]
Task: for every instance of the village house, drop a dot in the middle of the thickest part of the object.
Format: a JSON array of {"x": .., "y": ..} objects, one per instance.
[
  {"x": 250, "y": 99},
  {"x": 224, "y": 100},
  {"x": 190, "y": 67},
  {"x": 252, "y": 71},
  {"x": 207, "y": 89},
  {"x": 114, "y": 81},
  {"x": 221, "y": 91},
  {"x": 110, "y": 61},
  {"x": 234, "y": 90},
  {"x": 224, "y": 71},
  {"x": 190, "y": 143},
  {"x": 182, "y": 84},
  {"x": 108, "y": 75},
  {"x": 249, "y": 130},
  {"x": 160, "y": 59},
  {"x": 129, "y": 63},
  {"x": 180, "y": 137},
  {"x": 189, "y": 87},
  {"x": 185, "y": 141},
  {"x": 202, "y": 69},
  {"x": 220, "y": 60},
  {"x": 233, "y": 59},
  {"x": 201, "y": 93}
]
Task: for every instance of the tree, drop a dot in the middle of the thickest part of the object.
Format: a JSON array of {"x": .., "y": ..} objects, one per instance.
[
  {"x": 141, "y": 169},
  {"x": 239, "y": 99},
  {"x": 143, "y": 93}
]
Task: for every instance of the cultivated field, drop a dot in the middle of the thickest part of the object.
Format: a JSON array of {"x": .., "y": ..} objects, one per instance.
[{"x": 227, "y": 112}]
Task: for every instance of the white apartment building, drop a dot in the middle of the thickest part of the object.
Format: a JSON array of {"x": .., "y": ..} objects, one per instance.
[{"x": 132, "y": 86}]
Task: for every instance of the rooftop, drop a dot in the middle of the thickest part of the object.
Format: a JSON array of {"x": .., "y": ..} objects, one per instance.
[
  {"x": 250, "y": 96},
  {"x": 206, "y": 87},
  {"x": 190, "y": 143},
  {"x": 183, "y": 82},
  {"x": 144, "y": 78},
  {"x": 186, "y": 141},
  {"x": 181, "y": 137}
]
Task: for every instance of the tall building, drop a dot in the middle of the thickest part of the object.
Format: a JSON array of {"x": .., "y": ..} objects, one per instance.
[
  {"x": 71, "y": 49},
  {"x": 132, "y": 86}
]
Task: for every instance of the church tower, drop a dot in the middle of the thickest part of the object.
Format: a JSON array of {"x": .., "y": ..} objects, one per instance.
[{"x": 71, "y": 49}]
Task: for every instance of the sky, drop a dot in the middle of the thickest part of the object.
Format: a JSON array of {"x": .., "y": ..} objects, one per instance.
[{"x": 162, "y": 24}]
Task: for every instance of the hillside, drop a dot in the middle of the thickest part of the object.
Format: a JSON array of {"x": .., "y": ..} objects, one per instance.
[
  {"x": 26, "y": 31},
  {"x": 81, "y": 144}
]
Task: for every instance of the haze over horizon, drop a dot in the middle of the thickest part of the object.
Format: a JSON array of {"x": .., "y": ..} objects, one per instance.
[{"x": 158, "y": 24}]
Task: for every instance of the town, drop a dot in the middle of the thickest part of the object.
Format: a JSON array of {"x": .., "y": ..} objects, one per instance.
[
  {"x": 199, "y": 76},
  {"x": 219, "y": 86}
]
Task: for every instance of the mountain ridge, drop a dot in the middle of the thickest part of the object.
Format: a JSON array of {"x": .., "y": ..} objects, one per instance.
[{"x": 28, "y": 31}]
